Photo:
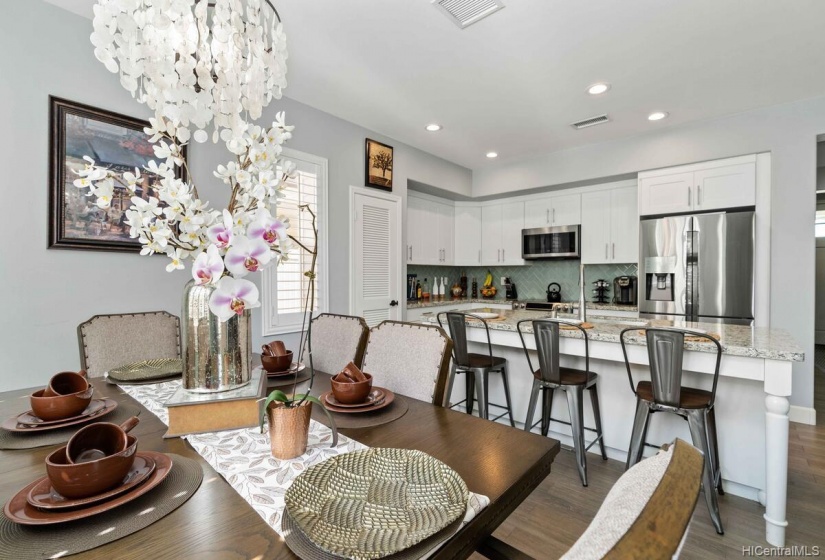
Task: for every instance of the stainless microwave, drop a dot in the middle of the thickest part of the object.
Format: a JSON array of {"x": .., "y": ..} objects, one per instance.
[{"x": 558, "y": 242}]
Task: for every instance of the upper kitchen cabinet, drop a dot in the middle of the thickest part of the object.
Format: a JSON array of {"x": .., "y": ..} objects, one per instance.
[
  {"x": 701, "y": 187},
  {"x": 501, "y": 225},
  {"x": 563, "y": 210},
  {"x": 467, "y": 235},
  {"x": 429, "y": 231},
  {"x": 610, "y": 226}
]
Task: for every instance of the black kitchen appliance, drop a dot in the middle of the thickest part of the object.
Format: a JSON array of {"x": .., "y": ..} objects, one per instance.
[
  {"x": 553, "y": 294},
  {"x": 557, "y": 242},
  {"x": 624, "y": 290},
  {"x": 412, "y": 292},
  {"x": 510, "y": 292}
]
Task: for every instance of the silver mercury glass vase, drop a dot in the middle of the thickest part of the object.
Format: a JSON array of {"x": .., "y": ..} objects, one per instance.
[{"x": 216, "y": 355}]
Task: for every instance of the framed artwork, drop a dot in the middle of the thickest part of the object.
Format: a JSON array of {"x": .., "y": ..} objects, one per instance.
[
  {"x": 112, "y": 140},
  {"x": 378, "y": 165}
]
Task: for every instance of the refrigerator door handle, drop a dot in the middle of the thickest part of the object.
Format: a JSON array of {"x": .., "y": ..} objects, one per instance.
[{"x": 689, "y": 195}]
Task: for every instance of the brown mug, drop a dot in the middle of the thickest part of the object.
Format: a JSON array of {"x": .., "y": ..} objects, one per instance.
[
  {"x": 99, "y": 440},
  {"x": 60, "y": 406},
  {"x": 351, "y": 392},
  {"x": 67, "y": 383},
  {"x": 82, "y": 480}
]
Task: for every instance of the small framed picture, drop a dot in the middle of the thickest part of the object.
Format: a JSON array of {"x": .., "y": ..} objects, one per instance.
[
  {"x": 378, "y": 165},
  {"x": 113, "y": 140}
]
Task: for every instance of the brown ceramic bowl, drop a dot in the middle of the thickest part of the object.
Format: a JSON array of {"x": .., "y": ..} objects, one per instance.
[
  {"x": 82, "y": 480},
  {"x": 99, "y": 440},
  {"x": 61, "y": 406},
  {"x": 275, "y": 364},
  {"x": 66, "y": 383},
  {"x": 351, "y": 392}
]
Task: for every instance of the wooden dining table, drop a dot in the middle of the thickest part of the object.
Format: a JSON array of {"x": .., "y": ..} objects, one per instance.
[{"x": 500, "y": 462}]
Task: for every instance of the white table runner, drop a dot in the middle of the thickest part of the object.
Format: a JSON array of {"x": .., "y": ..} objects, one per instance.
[{"x": 244, "y": 458}]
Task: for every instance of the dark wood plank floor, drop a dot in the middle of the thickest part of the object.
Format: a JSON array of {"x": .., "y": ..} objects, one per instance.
[{"x": 548, "y": 523}]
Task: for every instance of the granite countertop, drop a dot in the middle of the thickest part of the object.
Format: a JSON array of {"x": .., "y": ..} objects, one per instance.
[
  {"x": 451, "y": 301},
  {"x": 736, "y": 340}
]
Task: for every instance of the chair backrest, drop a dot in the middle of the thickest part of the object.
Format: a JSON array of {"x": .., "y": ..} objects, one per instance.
[
  {"x": 109, "y": 341},
  {"x": 647, "y": 512},
  {"x": 410, "y": 359},
  {"x": 457, "y": 328},
  {"x": 336, "y": 341},
  {"x": 546, "y": 335},
  {"x": 665, "y": 351}
]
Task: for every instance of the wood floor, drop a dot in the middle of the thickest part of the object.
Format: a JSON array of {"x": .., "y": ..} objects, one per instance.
[{"x": 547, "y": 524}]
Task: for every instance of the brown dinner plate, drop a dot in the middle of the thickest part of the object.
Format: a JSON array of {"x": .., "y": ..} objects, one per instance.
[
  {"x": 375, "y": 397},
  {"x": 43, "y": 496},
  {"x": 19, "y": 510},
  {"x": 31, "y": 419},
  {"x": 296, "y": 367},
  {"x": 14, "y": 425},
  {"x": 389, "y": 396}
]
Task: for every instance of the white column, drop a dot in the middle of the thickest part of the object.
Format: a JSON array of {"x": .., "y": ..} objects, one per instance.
[{"x": 777, "y": 389}]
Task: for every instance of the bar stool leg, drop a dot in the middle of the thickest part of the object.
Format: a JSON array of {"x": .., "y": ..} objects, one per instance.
[
  {"x": 450, "y": 382},
  {"x": 470, "y": 387},
  {"x": 531, "y": 407},
  {"x": 594, "y": 400},
  {"x": 714, "y": 449},
  {"x": 698, "y": 433},
  {"x": 638, "y": 436},
  {"x": 507, "y": 395},
  {"x": 481, "y": 392},
  {"x": 546, "y": 409},
  {"x": 575, "y": 402}
]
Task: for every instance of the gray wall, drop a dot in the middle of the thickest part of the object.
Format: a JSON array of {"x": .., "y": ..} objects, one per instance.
[
  {"x": 45, "y": 50},
  {"x": 789, "y": 132}
]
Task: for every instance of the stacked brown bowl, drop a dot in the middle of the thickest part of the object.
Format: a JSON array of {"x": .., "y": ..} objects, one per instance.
[
  {"x": 351, "y": 385},
  {"x": 67, "y": 395},
  {"x": 275, "y": 358}
]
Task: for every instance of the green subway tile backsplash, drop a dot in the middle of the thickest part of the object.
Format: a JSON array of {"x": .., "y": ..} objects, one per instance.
[{"x": 531, "y": 280}]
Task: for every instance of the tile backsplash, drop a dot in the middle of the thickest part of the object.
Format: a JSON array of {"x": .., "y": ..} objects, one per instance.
[{"x": 531, "y": 280}]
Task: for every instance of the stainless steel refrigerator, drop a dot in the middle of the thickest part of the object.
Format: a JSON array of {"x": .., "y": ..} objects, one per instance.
[{"x": 698, "y": 267}]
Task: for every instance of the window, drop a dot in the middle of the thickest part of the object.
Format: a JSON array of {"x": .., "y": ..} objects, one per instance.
[
  {"x": 285, "y": 288},
  {"x": 819, "y": 226}
]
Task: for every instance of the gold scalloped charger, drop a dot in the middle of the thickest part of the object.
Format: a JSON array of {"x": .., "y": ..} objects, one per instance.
[{"x": 147, "y": 370}]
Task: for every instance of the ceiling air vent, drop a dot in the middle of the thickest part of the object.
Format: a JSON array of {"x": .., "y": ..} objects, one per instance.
[
  {"x": 592, "y": 121},
  {"x": 467, "y": 12}
]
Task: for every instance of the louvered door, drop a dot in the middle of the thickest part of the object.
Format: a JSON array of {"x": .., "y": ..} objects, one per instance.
[{"x": 377, "y": 286}]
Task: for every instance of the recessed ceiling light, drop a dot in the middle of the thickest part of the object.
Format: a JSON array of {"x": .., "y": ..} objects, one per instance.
[
  {"x": 656, "y": 116},
  {"x": 433, "y": 127},
  {"x": 597, "y": 89},
  {"x": 492, "y": 155}
]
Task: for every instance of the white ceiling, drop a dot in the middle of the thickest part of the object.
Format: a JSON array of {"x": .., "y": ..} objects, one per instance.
[{"x": 515, "y": 81}]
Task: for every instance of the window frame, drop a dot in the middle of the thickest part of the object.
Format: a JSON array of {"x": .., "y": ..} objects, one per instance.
[{"x": 270, "y": 324}]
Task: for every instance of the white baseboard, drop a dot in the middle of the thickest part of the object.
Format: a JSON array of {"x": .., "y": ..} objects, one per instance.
[{"x": 802, "y": 415}]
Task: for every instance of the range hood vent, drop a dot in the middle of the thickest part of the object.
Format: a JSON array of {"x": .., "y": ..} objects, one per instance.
[
  {"x": 467, "y": 12},
  {"x": 592, "y": 121}
]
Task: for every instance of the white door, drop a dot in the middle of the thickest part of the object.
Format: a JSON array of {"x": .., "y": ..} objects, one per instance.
[
  {"x": 730, "y": 186},
  {"x": 375, "y": 270},
  {"x": 537, "y": 213},
  {"x": 566, "y": 210},
  {"x": 467, "y": 235},
  {"x": 446, "y": 227},
  {"x": 422, "y": 245},
  {"x": 624, "y": 225},
  {"x": 512, "y": 222},
  {"x": 595, "y": 234},
  {"x": 667, "y": 194}
]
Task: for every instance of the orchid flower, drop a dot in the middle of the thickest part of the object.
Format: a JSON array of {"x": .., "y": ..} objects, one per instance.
[
  {"x": 208, "y": 266},
  {"x": 177, "y": 256},
  {"x": 245, "y": 256},
  {"x": 233, "y": 297},
  {"x": 268, "y": 228},
  {"x": 221, "y": 234}
]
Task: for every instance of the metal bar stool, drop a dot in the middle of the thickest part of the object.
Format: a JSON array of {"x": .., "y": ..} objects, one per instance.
[
  {"x": 665, "y": 393},
  {"x": 551, "y": 376},
  {"x": 479, "y": 365}
]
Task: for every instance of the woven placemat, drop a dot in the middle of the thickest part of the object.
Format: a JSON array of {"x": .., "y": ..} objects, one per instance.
[
  {"x": 396, "y": 410},
  {"x": 567, "y": 327},
  {"x": 286, "y": 380},
  {"x": 23, "y": 542},
  {"x": 17, "y": 440},
  {"x": 147, "y": 370}
]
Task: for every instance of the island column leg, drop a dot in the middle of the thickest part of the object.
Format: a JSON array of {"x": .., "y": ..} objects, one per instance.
[{"x": 778, "y": 375}]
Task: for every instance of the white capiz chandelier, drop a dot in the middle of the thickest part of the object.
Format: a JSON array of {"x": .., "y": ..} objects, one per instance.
[{"x": 195, "y": 62}]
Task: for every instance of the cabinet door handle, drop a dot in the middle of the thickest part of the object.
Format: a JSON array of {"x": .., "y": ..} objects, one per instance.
[
  {"x": 698, "y": 195},
  {"x": 689, "y": 195},
  {"x": 614, "y": 250},
  {"x": 498, "y": 255},
  {"x": 502, "y": 255},
  {"x": 605, "y": 251},
  {"x": 554, "y": 215},
  {"x": 548, "y": 216}
]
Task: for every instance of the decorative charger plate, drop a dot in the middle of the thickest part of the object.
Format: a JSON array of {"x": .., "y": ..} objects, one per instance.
[
  {"x": 370, "y": 504},
  {"x": 147, "y": 369}
]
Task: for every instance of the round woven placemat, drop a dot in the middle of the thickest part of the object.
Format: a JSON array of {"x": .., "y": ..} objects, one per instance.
[
  {"x": 286, "y": 380},
  {"x": 17, "y": 440},
  {"x": 23, "y": 542},
  {"x": 396, "y": 410}
]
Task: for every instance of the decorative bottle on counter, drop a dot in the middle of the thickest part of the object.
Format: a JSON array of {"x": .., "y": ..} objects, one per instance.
[
  {"x": 444, "y": 288},
  {"x": 418, "y": 291},
  {"x": 426, "y": 289},
  {"x": 462, "y": 282},
  {"x": 475, "y": 289}
]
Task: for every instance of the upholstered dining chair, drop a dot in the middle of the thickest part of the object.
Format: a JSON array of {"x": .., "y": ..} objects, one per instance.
[
  {"x": 109, "y": 341},
  {"x": 410, "y": 359},
  {"x": 336, "y": 341}
]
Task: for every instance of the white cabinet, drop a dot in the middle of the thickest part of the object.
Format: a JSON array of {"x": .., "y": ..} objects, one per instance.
[
  {"x": 700, "y": 187},
  {"x": 467, "y": 235},
  {"x": 501, "y": 225},
  {"x": 563, "y": 210},
  {"x": 610, "y": 226},
  {"x": 429, "y": 232}
]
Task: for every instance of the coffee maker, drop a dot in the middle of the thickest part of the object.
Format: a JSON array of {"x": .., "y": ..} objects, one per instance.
[
  {"x": 624, "y": 290},
  {"x": 510, "y": 290}
]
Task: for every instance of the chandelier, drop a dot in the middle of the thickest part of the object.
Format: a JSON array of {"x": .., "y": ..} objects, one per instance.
[{"x": 195, "y": 62}]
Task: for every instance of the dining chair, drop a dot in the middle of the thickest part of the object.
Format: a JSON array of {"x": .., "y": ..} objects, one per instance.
[
  {"x": 477, "y": 367},
  {"x": 109, "y": 341},
  {"x": 665, "y": 393},
  {"x": 410, "y": 359},
  {"x": 336, "y": 341},
  {"x": 647, "y": 513},
  {"x": 550, "y": 376}
]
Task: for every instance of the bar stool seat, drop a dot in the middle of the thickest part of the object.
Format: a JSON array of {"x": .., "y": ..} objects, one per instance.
[
  {"x": 689, "y": 398},
  {"x": 482, "y": 360},
  {"x": 570, "y": 376}
]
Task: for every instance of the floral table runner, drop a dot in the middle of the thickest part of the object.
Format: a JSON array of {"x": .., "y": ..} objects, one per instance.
[{"x": 243, "y": 457}]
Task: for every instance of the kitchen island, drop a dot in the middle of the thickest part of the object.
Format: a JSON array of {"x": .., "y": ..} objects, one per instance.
[{"x": 751, "y": 400}]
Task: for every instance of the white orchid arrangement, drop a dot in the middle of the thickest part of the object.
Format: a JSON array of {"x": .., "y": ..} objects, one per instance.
[{"x": 225, "y": 245}]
